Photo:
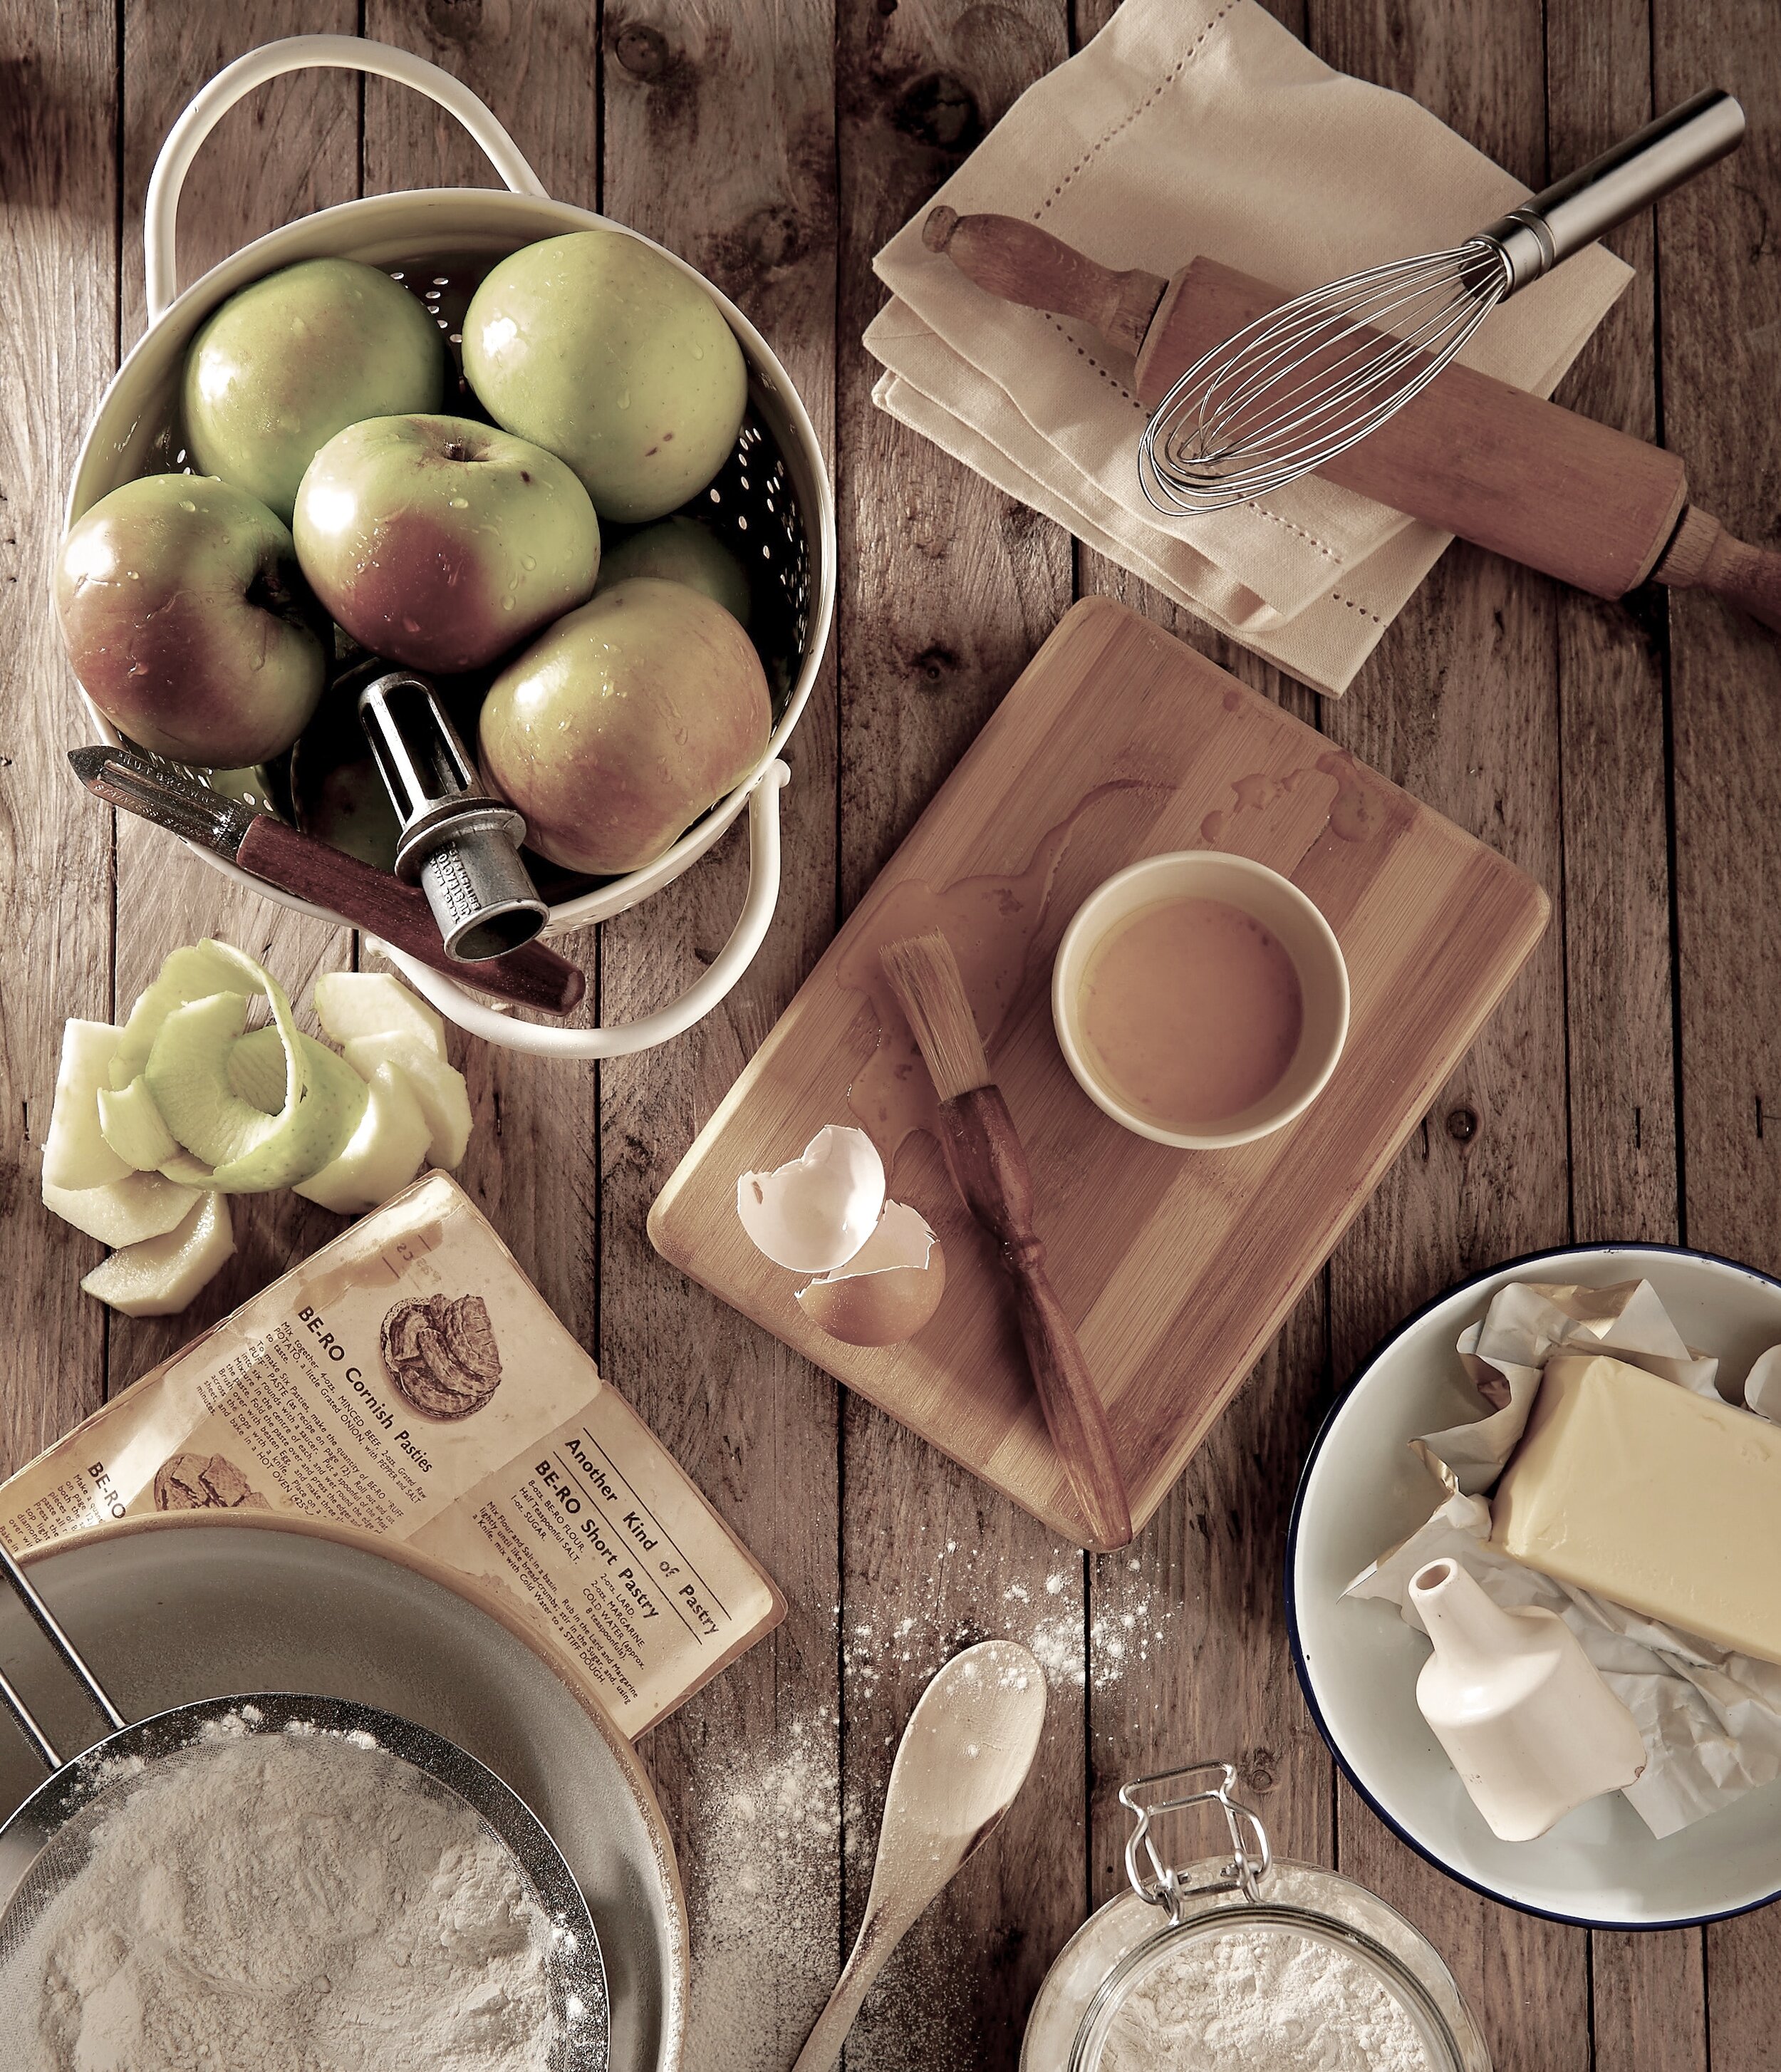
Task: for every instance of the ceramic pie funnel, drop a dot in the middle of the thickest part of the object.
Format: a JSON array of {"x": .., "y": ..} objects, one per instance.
[{"x": 1520, "y": 1709}]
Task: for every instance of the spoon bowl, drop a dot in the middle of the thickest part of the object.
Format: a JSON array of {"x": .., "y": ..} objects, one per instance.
[{"x": 963, "y": 1757}]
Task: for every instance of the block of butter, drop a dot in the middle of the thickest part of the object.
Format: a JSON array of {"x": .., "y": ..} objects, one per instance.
[{"x": 1662, "y": 1500}]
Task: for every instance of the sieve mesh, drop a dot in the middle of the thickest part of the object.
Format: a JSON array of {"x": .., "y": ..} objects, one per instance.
[{"x": 49, "y": 1840}]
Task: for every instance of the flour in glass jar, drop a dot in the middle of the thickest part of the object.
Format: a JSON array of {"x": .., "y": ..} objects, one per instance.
[{"x": 1264, "y": 2000}]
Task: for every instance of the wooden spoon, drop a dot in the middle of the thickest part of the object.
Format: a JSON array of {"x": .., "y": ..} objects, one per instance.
[{"x": 960, "y": 1766}]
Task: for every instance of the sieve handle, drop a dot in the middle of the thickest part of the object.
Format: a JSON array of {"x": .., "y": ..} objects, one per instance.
[
  {"x": 22, "y": 1589},
  {"x": 697, "y": 1001},
  {"x": 1641, "y": 169},
  {"x": 210, "y": 103}
]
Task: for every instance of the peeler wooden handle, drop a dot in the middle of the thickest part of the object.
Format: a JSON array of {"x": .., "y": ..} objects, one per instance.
[
  {"x": 1476, "y": 457},
  {"x": 533, "y": 976},
  {"x": 988, "y": 1165}
]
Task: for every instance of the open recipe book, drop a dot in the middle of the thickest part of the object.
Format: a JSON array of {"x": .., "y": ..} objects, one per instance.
[{"x": 409, "y": 1381}]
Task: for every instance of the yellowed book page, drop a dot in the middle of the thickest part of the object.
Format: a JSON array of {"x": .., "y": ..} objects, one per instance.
[{"x": 409, "y": 1380}]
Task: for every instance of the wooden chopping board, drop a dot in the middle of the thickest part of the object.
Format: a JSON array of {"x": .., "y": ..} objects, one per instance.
[{"x": 1176, "y": 1267}]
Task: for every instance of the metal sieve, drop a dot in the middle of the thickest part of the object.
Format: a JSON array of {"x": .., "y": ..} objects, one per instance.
[
  {"x": 47, "y": 1840},
  {"x": 1171, "y": 1914}
]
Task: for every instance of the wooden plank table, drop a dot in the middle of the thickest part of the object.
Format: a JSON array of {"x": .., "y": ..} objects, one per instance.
[{"x": 1627, "y": 756}]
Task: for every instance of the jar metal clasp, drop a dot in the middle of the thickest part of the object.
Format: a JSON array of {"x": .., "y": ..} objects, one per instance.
[{"x": 1148, "y": 1798}]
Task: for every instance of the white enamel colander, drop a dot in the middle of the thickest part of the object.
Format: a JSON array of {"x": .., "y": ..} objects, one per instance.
[{"x": 772, "y": 499}]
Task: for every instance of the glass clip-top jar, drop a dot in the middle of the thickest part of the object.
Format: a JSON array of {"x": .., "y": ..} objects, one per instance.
[{"x": 1243, "y": 1961}]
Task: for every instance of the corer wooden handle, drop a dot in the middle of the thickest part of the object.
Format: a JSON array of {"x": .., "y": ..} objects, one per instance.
[
  {"x": 1705, "y": 556},
  {"x": 533, "y": 976},
  {"x": 1018, "y": 262},
  {"x": 988, "y": 1165}
]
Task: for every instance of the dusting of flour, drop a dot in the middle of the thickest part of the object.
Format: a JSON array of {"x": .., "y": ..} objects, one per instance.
[
  {"x": 286, "y": 1903},
  {"x": 1267, "y": 2001}
]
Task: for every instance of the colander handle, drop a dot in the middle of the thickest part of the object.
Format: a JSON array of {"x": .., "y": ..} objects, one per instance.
[
  {"x": 698, "y": 1000},
  {"x": 210, "y": 103}
]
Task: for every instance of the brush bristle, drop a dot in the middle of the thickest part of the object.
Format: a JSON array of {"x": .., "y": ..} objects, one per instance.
[{"x": 924, "y": 975}]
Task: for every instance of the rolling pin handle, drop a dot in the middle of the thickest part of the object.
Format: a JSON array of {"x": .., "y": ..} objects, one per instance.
[
  {"x": 1018, "y": 262},
  {"x": 1704, "y": 556}
]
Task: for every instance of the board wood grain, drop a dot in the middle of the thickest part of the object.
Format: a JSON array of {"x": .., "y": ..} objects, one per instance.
[{"x": 1117, "y": 742}]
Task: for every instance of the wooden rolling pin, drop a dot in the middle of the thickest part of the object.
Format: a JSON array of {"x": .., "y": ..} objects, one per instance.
[{"x": 1527, "y": 479}]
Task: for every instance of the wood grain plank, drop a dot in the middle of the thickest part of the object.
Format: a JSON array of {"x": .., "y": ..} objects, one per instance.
[
  {"x": 1221, "y": 1680},
  {"x": 1647, "y": 1991},
  {"x": 533, "y": 1163},
  {"x": 720, "y": 140},
  {"x": 58, "y": 201},
  {"x": 957, "y": 586},
  {"x": 1460, "y": 706},
  {"x": 291, "y": 148},
  {"x": 1720, "y": 309}
]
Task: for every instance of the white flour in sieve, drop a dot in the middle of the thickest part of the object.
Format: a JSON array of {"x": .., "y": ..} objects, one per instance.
[
  {"x": 1265, "y": 2000},
  {"x": 290, "y": 1903}
]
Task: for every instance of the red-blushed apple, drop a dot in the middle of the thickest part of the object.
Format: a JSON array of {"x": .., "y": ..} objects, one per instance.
[
  {"x": 188, "y": 622},
  {"x": 601, "y": 348},
  {"x": 440, "y": 543},
  {"x": 288, "y": 362},
  {"x": 622, "y": 722}
]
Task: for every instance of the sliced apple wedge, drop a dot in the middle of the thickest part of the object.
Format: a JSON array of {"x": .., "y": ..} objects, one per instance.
[
  {"x": 350, "y": 1004},
  {"x": 158, "y": 1277},
  {"x": 75, "y": 1153},
  {"x": 383, "y": 1154},
  {"x": 126, "y": 1211},
  {"x": 130, "y": 1123},
  {"x": 444, "y": 1099}
]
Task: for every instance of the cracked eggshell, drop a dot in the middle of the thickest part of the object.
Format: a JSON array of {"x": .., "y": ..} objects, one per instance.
[
  {"x": 889, "y": 1288},
  {"x": 814, "y": 1213}
]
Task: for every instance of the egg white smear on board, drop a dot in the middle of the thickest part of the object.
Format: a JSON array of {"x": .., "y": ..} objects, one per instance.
[{"x": 814, "y": 1213}]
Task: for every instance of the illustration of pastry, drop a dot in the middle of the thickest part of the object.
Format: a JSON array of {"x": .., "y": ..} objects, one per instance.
[
  {"x": 440, "y": 1351},
  {"x": 203, "y": 1482}
]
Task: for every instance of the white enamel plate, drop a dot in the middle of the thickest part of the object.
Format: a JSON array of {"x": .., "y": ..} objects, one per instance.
[{"x": 1363, "y": 1490}]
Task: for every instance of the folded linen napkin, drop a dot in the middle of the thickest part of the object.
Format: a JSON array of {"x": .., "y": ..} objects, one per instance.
[{"x": 1191, "y": 127}]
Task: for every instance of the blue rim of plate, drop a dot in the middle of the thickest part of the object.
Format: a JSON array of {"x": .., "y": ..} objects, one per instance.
[{"x": 1336, "y": 1408}]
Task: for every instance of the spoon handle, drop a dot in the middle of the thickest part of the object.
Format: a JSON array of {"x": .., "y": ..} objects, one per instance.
[{"x": 822, "y": 2050}]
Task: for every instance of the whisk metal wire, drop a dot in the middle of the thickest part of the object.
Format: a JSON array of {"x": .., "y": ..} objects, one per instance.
[{"x": 1305, "y": 382}]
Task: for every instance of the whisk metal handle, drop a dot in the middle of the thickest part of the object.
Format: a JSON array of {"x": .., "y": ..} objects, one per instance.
[{"x": 1575, "y": 211}]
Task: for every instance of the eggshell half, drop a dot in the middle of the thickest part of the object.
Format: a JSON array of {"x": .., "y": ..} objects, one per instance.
[
  {"x": 814, "y": 1213},
  {"x": 889, "y": 1288}
]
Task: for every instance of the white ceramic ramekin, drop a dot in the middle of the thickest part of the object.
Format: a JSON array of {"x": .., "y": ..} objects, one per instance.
[{"x": 1283, "y": 910}]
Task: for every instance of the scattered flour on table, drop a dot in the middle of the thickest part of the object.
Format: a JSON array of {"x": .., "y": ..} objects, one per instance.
[
  {"x": 1267, "y": 2002},
  {"x": 768, "y": 1827},
  {"x": 283, "y": 1903}
]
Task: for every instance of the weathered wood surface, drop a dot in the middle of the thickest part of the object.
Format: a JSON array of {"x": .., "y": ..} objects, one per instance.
[{"x": 1624, "y": 756}]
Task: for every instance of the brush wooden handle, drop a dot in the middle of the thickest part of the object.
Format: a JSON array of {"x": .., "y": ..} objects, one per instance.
[
  {"x": 1705, "y": 556},
  {"x": 988, "y": 1164},
  {"x": 1018, "y": 262},
  {"x": 533, "y": 976}
]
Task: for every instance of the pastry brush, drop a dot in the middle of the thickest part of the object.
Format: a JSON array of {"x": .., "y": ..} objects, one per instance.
[{"x": 988, "y": 1164}]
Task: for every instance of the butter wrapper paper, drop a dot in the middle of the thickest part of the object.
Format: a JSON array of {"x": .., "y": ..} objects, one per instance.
[{"x": 1711, "y": 1719}]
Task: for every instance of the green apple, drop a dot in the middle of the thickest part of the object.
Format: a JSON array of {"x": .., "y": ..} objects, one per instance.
[
  {"x": 680, "y": 550},
  {"x": 597, "y": 346},
  {"x": 621, "y": 724},
  {"x": 188, "y": 622},
  {"x": 286, "y": 364},
  {"x": 441, "y": 543}
]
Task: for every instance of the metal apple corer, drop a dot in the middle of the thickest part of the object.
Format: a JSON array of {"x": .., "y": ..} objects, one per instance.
[
  {"x": 771, "y": 501},
  {"x": 1312, "y": 378},
  {"x": 46, "y": 1842}
]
